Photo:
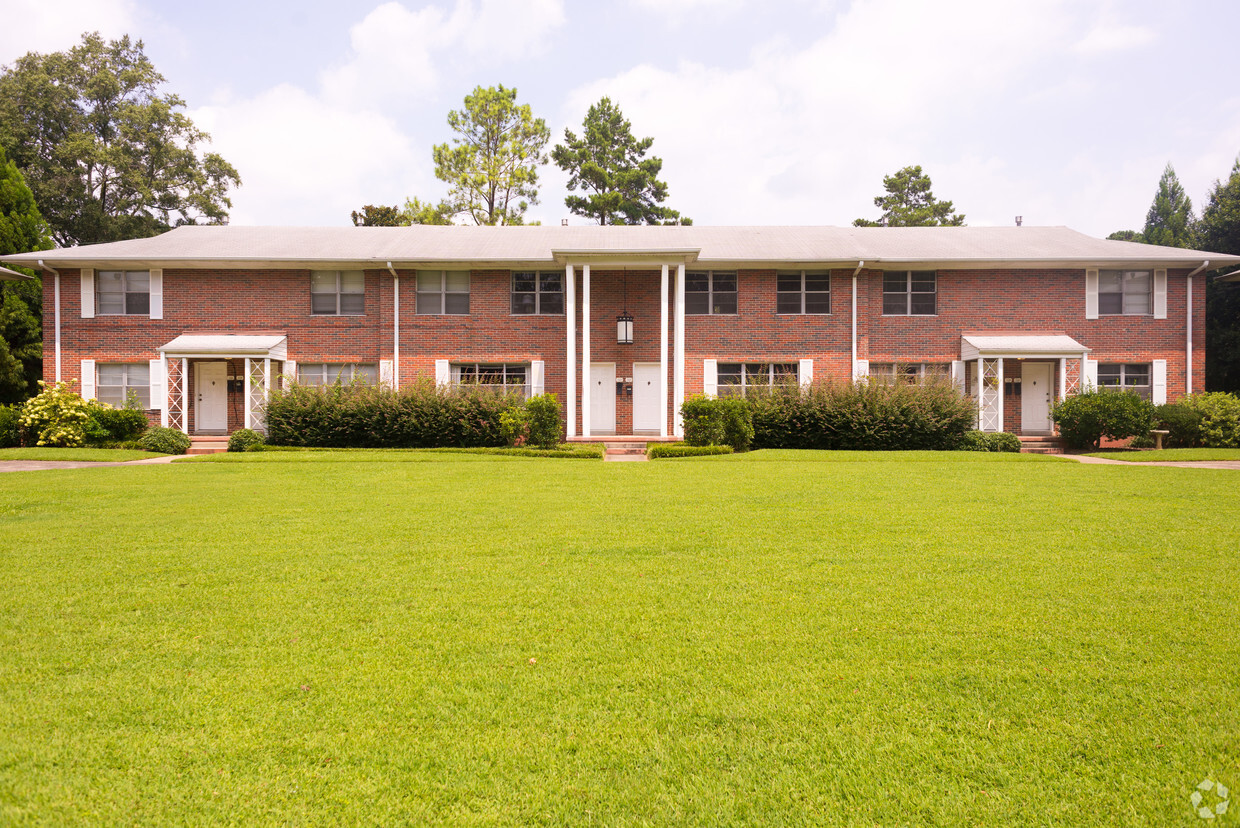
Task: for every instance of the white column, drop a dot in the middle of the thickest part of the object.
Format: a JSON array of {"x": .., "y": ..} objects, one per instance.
[
  {"x": 249, "y": 418},
  {"x": 678, "y": 368},
  {"x": 585, "y": 350},
  {"x": 981, "y": 394},
  {"x": 999, "y": 401},
  {"x": 163, "y": 366},
  {"x": 185, "y": 395},
  {"x": 1080, "y": 383},
  {"x": 1063, "y": 378},
  {"x": 663, "y": 296},
  {"x": 570, "y": 315}
]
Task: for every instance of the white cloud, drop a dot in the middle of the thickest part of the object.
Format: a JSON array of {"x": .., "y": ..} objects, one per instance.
[
  {"x": 1111, "y": 37},
  {"x": 53, "y": 27}
]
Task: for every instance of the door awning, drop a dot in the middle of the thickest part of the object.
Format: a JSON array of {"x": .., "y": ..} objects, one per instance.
[
  {"x": 234, "y": 346},
  {"x": 1020, "y": 346}
]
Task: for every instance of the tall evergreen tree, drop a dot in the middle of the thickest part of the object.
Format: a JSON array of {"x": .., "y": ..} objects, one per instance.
[
  {"x": 1170, "y": 221},
  {"x": 910, "y": 203},
  {"x": 1219, "y": 232},
  {"x": 22, "y": 229}
]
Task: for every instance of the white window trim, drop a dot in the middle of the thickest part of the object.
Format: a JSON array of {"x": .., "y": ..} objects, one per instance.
[
  {"x": 523, "y": 389},
  {"x": 1123, "y": 369},
  {"x": 802, "y": 292},
  {"x": 317, "y": 371},
  {"x": 908, "y": 292},
  {"x": 442, "y": 292},
  {"x": 1152, "y": 293},
  {"x": 710, "y": 291},
  {"x": 97, "y": 307},
  {"x": 339, "y": 274},
  {"x": 941, "y": 369},
  {"x": 790, "y": 376},
  {"x": 126, "y": 385},
  {"x": 538, "y": 292}
]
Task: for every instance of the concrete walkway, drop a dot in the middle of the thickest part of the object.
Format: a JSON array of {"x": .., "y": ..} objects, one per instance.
[
  {"x": 36, "y": 465},
  {"x": 1179, "y": 464}
]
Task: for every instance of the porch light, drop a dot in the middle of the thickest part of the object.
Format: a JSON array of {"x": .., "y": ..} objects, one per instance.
[{"x": 624, "y": 329}]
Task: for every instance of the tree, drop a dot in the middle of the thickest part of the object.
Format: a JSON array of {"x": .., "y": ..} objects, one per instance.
[
  {"x": 1219, "y": 232},
  {"x": 106, "y": 155},
  {"x": 22, "y": 229},
  {"x": 415, "y": 212},
  {"x": 492, "y": 169},
  {"x": 1169, "y": 221},
  {"x": 910, "y": 203},
  {"x": 610, "y": 164},
  {"x": 1127, "y": 235},
  {"x": 379, "y": 216}
]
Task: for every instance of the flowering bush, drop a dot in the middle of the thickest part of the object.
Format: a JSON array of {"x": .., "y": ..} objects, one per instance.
[{"x": 56, "y": 416}]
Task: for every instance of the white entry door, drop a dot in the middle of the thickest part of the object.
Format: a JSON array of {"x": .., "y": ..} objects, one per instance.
[
  {"x": 646, "y": 397},
  {"x": 603, "y": 398},
  {"x": 1036, "y": 379},
  {"x": 211, "y": 396}
]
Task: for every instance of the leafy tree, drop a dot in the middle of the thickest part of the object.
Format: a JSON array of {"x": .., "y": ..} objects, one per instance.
[
  {"x": 492, "y": 167},
  {"x": 910, "y": 203},
  {"x": 22, "y": 229},
  {"x": 1127, "y": 235},
  {"x": 106, "y": 155},
  {"x": 379, "y": 216},
  {"x": 415, "y": 212},
  {"x": 1219, "y": 232},
  {"x": 1169, "y": 221},
  {"x": 611, "y": 165}
]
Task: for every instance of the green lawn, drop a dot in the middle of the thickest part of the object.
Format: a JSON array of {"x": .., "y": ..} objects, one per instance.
[
  {"x": 75, "y": 454},
  {"x": 774, "y": 638},
  {"x": 1165, "y": 455}
]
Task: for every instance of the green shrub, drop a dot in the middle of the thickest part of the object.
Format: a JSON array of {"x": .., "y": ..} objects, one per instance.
[
  {"x": 10, "y": 427},
  {"x": 110, "y": 425},
  {"x": 514, "y": 424},
  {"x": 737, "y": 416},
  {"x": 243, "y": 439},
  {"x": 1084, "y": 419},
  {"x": 1220, "y": 418},
  {"x": 1003, "y": 441},
  {"x": 164, "y": 441},
  {"x": 703, "y": 421},
  {"x": 988, "y": 441},
  {"x": 543, "y": 416},
  {"x": 1183, "y": 422},
  {"x": 663, "y": 450},
  {"x": 56, "y": 416},
  {"x": 973, "y": 441}
]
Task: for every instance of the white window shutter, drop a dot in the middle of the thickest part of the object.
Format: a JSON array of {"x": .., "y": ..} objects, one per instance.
[
  {"x": 288, "y": 375},
  {"x": 861, "y": 369},
  {"x": 537, "y": 371},
  {"x": 710, "y": 377},
  {"x": 159, "y": 392},
  {"x": 88, "y": 293},
  {"x": 1091, "y": 294},
  {"x": 1158, "y": 381},
  {"x": 157, "y": 294},
  {"x": 385, "y": 372},
  {"x": 1090, "y": 380},
  {"x": 87, "y": 385},
  {"x": 958, "y": 375},
  {"x": 443, "y": 373},
  {"x": 1160, "y": 294},
  {"x": 805, "y": 373}
]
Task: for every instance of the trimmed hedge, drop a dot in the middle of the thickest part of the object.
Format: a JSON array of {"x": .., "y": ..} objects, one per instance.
[
  {"x": 727, "y": 421},
  {"x": 110, "y": 425},
  {"x": 989, "y": 441},
  {"x": 1210, "y": 419},
  {"x": 164, "y": 441},
  {"x": 657, "y": 451},
  {"x": 1084, "y": 419},
  {"x": 245, "y": 439}
]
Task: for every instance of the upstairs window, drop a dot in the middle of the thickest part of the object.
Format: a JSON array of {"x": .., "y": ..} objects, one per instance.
[
  {"x": 909, "y": 293},
  {"x": 443, "y": 292},
  {"x": 115, "y": 382},
  {"x": 345, "y": 373},
  {"x": 496, "y": 377},
  {"x": 123, "y": 292},
  {"x": 1125, "y": 376},
  {"x": 1125, "y": 292},
  {"x": 735, "y": 379},
  {"x": 803, "y": 292},
  {"x": 337, "y": 292},
  {"x": 539, "y": 292},
  {"x": 909, "y": 373},
  {"x": 710, "y": 292}
]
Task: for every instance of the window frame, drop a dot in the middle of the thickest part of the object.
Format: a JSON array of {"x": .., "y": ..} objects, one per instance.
[
  {"x": 125, "y": 293},
  {"x": 141, "y": 389},
  {"x": 442, "y": 293},
  {"x": 1124, "y": 294},
  {"x": 803, "y": 293},
  {"x": 711, "y": 292},
  {"x": 912, "y": 373},
  {"x": 774, "y": 377},
  {"x": 1145, "y": 391},
  {"x": 504, "y": 386},
  {"x": 908, "y": 293},
  {"x": 537, "y": 293},
  {"x": 305, "y": 368},
  {"x": 338, "y": 293}
]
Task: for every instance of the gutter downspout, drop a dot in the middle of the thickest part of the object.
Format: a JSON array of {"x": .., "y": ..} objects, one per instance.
[
  {"x": 55, "y": 273},
  {"x": 860, "y": 264},
  {"x": 395, "y": 328},
  {"x": 1188, "y": 335}
]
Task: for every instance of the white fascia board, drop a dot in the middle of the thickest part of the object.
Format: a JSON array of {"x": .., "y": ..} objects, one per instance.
[{"x": 7, "y": 275}]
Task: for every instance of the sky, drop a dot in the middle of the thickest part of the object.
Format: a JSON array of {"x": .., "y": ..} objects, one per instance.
[{"x": 763, "y": 111}]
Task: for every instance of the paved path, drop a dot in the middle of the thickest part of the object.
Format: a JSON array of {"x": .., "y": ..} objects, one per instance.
[
  {"x": 36, "y": 465},
  {"x": 1179, "y": 464}
]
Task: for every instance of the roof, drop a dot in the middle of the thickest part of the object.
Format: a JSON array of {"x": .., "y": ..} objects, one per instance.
[
  {"x": 273, "y": 346},
  {"x": 374, "y": 247},
  {"x": 12, "y": 275},
  {"x": 973, "y": 346}
]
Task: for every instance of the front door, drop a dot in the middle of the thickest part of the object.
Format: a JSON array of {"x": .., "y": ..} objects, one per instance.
[
  {"x": 603, "y": 398},
  {"x": 1036, "y": 379},
  {"x": 211, "y": 396},
  {"x": 646, "y": 397}
]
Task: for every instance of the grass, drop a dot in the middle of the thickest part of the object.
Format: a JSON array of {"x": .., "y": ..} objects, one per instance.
[
  {"x": 784, "y": 638},
  {"x": 1167, "y": 455},
  {"x": 76, "y": 454}
]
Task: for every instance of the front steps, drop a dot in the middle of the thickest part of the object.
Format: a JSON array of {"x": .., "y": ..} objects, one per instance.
[
  {"x": 1045, "y": 444},
  {"x": 208, "y": 444},
  {"x": 624, "y": 450}
]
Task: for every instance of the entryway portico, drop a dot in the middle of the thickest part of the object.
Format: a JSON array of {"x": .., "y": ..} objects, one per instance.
[
  {"x": 1042, "y": 356},
  {"x": 262, "y": 357}
]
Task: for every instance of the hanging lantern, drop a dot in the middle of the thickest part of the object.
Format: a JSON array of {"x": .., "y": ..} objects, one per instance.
[{"x": 624, "y": 329}]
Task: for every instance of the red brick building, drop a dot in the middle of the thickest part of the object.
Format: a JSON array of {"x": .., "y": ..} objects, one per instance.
[{"x": 200, "y": 321}]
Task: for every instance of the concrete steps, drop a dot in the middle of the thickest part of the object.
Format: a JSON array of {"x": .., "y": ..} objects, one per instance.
[
  {"x": 1034, "y": 444},
  {"x": 208, "y": 444},
  {"x": 628, "y": 450}
]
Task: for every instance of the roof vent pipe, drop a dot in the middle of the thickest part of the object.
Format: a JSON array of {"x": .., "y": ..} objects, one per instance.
[{"x": 1019, "y": 219}]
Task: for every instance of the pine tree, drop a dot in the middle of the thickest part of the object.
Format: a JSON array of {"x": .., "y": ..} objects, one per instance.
[{"x": 1170, "y": 221}]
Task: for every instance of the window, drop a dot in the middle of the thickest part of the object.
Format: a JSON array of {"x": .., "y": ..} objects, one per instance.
[
  {"x": 910, "y": 373},
  {"x": 330, "y": 373},
  {"x": 1125, "y": 292},
  {"x": 735, "y": 379},
  {"x": 124, "y": 292},
  {"x": 114, "y": 383},
  {"x": 443, "y": 292},
  {"x": 500, "y": 378},
  {"x": 909, "y": 293},
  {"x": 803, "y": 291},
  {"x": 710, "y": 292},
  {"x": 337, "y": 292},
  {"x": 538, "y": 293},
  {"x": 1126, "y": 376}
]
